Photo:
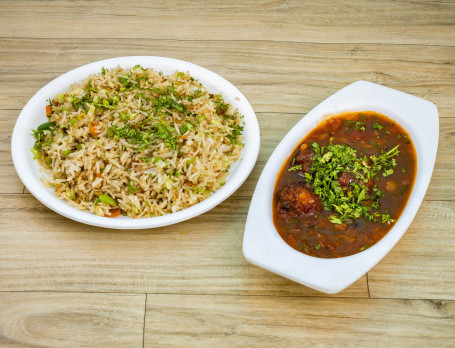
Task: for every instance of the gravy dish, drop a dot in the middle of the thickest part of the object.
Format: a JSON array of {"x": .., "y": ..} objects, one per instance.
[{"x": 343, "y": 186}]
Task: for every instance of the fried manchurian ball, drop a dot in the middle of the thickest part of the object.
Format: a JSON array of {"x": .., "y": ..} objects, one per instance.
[{"x": 297, "y": 198}]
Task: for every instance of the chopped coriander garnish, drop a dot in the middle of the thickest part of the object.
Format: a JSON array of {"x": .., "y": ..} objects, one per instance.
[
  {"x": 236, "y": 132},
  {"x": 146, "y": 135},
  {"x": 43, "y": 135},
  {"x": 387, "y": 172},
  {"x": 186, "y": 127},
  {"x": 221, "y": 106},
  {"x": 357, "y": 199}
]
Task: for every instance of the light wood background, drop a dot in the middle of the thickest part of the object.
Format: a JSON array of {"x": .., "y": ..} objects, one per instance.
[{"x": 64, "y": 284}]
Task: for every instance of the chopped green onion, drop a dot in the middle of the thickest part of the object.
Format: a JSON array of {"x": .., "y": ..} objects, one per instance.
[
  {"x": 105, "y": 199},
  {"x": 403, "y": 189},
  {"x": 131, "y": 188},
  {"x": 60, "y": 98},
  {"x": 295, "y": 168},
  {"x": 377, "y": 126}
]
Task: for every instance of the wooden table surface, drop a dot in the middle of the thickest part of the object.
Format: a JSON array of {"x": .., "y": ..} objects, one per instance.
[{"x": 65, "y": 284}]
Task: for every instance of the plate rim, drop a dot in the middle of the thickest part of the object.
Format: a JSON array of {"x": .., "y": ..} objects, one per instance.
[{"x": 246, "y": 163}]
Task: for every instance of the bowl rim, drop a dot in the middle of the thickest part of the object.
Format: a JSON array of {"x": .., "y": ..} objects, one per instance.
[
  {"x": 268, "y": 250},
  {"x": 32, "y": 115}
]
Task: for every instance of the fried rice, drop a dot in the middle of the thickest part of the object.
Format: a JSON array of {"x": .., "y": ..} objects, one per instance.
[{"x": 138, "y": 143}]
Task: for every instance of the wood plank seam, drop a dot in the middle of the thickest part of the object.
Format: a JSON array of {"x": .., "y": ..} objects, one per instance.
[
  {"x": 368, "y": 286},
  {"x": 433, "y": 300},
  {"x": 197, "y": 294},
  {"x": 30, "y": 38},
  {"x": 145, "y": 315}
]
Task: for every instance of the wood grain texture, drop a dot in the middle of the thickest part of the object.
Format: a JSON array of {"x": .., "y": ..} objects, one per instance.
[
  {"x": 202, "y": 256},
  {"x": 283, "y": 77},
  {"x": 9, "y": 181},
  {"x": 422, "y": 264},
  {"x": 250, "y": 321},
  {"x": 207, "y": 259},
  {"x": 67, "y": 284},
  {"x": 309, "y": 21},
  {"x": 71, "y": 320}
]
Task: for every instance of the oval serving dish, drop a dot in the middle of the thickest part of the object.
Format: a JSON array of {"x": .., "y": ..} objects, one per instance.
[
  {"x": 33, "y": 115},
  {"x": 263, "y": 246}
]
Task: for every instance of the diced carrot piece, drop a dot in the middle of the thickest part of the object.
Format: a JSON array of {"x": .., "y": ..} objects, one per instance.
[
  {"x": 114, "y": 213},
  {"x": 48, "y": 110},
  {"x": 98, "y": 175},
  {"x": 92, "y": 130}
]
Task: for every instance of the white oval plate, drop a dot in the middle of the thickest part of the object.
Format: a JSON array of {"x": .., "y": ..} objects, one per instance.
[
  {"x": 263, "y": 246},
  {"x": 33, "y": 115}
]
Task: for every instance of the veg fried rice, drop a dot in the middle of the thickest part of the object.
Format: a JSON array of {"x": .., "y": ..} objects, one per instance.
[{"x": 138, "y": 143}]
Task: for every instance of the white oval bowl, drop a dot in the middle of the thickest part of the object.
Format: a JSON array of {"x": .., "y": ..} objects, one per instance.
[
  {"x": 33, "y": 115},
  {"x": 263, "y": 246}
]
